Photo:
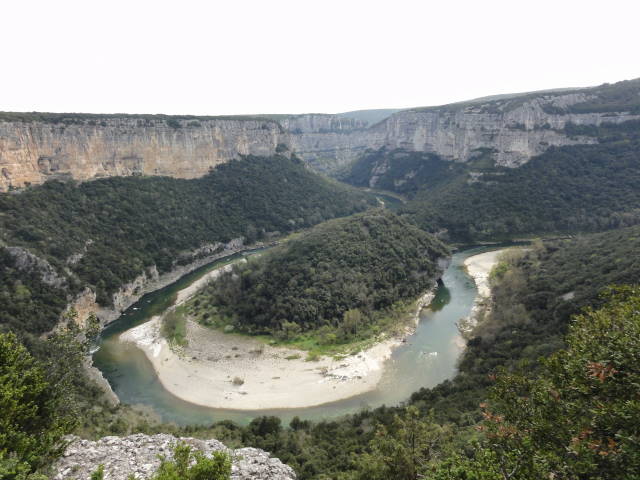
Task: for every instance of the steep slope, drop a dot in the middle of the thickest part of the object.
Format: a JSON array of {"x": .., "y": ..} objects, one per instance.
[
  {"x": 534, "y": 296},
  {"x": 116, "y": 235},
  {"x": 510, "y": 129},
  {"x": 567, "y": 189},
  {"x": 401, "y": 171},
  {"x": 36, "y": 146}
]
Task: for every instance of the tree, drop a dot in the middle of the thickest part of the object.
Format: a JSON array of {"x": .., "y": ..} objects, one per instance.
[
  {"x": 404, "y": 450},
  {"x": 189, "y": 465},
  {"x": 31, "y": 425},
  {"x": 579, "y": 418}
]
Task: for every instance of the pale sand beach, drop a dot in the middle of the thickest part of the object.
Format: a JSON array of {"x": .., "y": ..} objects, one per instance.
[
  {"x": 479, "y": 267},
  {"x": 265, "y": 377},
  {"x": 186, "y": 293}
]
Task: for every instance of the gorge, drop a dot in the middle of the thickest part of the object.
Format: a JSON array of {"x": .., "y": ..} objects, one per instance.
[
  {"x": 257, "y": 279},
  {"x": 513, "y": 128}
]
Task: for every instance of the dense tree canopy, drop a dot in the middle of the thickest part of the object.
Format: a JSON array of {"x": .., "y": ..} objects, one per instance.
[
  {"x": 576, "y": 419},
  {"x": 529, "y": 319},
  {"x": 568, "y": 189},
  {"x": 401, "y": 171},
  {"x": 342, "y": 274},
  {"x": 108, "y": 231},
  {"x": 578, "y": 188},
  {"x": 33, "y": 418}
]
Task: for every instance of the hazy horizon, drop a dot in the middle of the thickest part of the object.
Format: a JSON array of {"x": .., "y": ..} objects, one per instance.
[{"x": 287, "y": 57}]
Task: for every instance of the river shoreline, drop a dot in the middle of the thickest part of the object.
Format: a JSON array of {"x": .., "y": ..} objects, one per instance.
[
  {"x": 85, "y": 303},
  {"x": 219, "y": 370},
  {"x": 479, "y": 268}
]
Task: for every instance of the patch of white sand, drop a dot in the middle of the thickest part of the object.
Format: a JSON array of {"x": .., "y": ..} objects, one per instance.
[{"x": 265, "y": 377}]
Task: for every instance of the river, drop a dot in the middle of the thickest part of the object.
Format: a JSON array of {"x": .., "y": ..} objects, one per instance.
[{"x": 428, "y": 358}]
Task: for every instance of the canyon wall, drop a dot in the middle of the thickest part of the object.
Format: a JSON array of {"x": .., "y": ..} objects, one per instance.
[
  {"x": 513, "y": 134},
  {"x": 85, "y": 147},
  {"x": 34, "y": 151},
  {"x": 512, "y": 130}
]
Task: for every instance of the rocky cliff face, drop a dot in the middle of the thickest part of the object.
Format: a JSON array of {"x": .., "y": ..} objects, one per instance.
[
  {"x": 84, "y": 304},
  {"x": 34, "y": 151},
  {"x": 513, "y": 134},
  {"x": 137, "y": 455},
  {"x": 25, "y": 260},
  {"x": 513, "y": 128}
]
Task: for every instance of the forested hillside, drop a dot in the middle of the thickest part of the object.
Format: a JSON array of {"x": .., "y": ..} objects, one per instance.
[
  {"x": 401, "y": 171},
  {"x": 535, "y": 295},
  {"x": 583, "y": 188},
  {"x": 106, "y": 232},
  {"x": 578, "y": 188},
  {"x": 343, "y": 277}
]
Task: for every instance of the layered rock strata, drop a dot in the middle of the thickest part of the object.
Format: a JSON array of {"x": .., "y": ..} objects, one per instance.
[{"x": 512, "y": 130}]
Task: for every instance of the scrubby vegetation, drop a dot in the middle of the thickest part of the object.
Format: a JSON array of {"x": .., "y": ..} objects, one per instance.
[
  {"x": 109, "y": 231},
  {"x": 174, "y": 327},
  {"x": 582, "y": 188},
  {"x": 193, "y": 465},
  {"x": 341, "y": 280},
  {"x": 436, "y": 430},
  {"x": 618, "y": 97},
  {"x": 545, "y": 389},
  {"x": 401, "y": 171},
  {"x": 497, "y": 414},
  {"x": 140, "y": 120},
  {"x": 34, "y": 401},
  {"x": 27, "y": 303}
]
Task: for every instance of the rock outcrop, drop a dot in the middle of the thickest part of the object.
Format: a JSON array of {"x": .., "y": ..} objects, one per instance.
[
  {"x": 84, "y": 148},
  {"x": 138, "y": 455},
  {"x": 34, "y": 148},
  {"x": 25, "y": 260},
  {"x": 513, "y": 134},
  {"x": 149, "y": 280}
]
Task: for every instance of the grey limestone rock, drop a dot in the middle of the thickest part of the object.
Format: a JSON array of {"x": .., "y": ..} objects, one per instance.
[{"x": 138, "y": 455}]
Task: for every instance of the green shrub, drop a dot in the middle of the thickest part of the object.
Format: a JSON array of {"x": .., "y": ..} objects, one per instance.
[{"x": 216, "y": 467}]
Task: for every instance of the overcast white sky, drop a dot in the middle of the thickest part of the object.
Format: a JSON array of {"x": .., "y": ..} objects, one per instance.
[{"x": 280, "y": 56}]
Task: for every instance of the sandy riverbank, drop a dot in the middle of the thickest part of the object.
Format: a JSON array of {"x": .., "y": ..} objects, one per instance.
[
  {"x": 479, "y": 268},
  {"x": 272, "y": 377},
  {"x": 186, "y": 293}
]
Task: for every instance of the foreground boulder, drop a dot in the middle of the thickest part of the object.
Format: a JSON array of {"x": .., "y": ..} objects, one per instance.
[{"x": 138, "y": 455}]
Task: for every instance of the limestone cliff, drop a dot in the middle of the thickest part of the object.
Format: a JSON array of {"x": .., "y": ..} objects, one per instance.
[
  {"x": 35, "y": 147},
  {"x": 513, "y": 129},
  {"x": 514, "y": 133},
  {"x": 83, "y": 148},
  {"x": 149, "y": 280}
]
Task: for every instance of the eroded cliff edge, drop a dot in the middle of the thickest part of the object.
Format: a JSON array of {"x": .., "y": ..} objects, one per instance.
[
  {"x": 88, "y": 147},
  {"x": 36, "y": 147}
]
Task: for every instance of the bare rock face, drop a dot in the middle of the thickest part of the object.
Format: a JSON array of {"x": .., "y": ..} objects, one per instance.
[
  {"x": 513, "y": 129},
  {"x": 512, "y": 134},
  {"x": 32, "y": 152},
  {"x": 138, "y": 455},
  {"x": 25, "y": 260}
]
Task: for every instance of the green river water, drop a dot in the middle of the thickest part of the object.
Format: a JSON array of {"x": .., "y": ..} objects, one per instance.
[{"x": 428, "y": 358}]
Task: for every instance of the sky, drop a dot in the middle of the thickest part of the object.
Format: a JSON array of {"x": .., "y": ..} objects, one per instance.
[{"x": 279, "y": 56}]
